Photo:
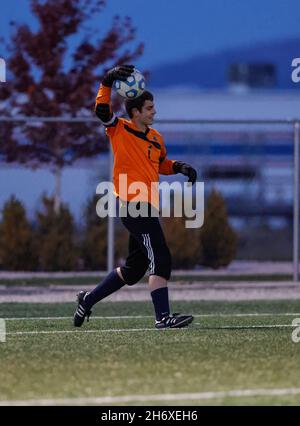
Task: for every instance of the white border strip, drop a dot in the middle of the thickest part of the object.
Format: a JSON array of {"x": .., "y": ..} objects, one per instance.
[{"x": 160, "y": 398}]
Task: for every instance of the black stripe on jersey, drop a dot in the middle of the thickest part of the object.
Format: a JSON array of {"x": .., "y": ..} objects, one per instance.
[{"x": 141, "y": 135}]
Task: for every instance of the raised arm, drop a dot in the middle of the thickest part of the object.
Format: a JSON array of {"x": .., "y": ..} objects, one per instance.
[{"x": 103, "y": 104}]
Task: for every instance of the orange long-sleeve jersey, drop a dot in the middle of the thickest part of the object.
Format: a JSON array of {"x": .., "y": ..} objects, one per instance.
[{"x": 139, "y": 157}]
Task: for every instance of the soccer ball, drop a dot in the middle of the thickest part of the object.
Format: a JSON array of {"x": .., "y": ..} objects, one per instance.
[{"x": 131, "y": 88}]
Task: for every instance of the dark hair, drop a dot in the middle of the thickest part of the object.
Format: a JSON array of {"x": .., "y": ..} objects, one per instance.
[{"x": 137, "y": 102}]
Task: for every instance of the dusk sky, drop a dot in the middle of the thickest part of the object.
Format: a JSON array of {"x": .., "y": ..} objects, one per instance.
[{"x": 173, "y": 30}]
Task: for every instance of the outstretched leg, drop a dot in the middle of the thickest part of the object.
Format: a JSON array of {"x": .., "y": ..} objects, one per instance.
[
  {"x": 133, "y": 270},
  {"x": 111, "y": 283}
]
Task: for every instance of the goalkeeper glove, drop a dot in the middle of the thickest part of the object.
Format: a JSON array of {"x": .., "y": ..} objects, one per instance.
[
  {"x": 121, "y": 72},
  {"x": 185, "y": 169}
]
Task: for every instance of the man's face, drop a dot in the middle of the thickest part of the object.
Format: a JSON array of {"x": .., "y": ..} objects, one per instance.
[{"x": 147, "y": 114}]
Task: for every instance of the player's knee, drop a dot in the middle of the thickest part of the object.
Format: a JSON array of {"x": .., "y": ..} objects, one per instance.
[{"x": 132, "y": 276}]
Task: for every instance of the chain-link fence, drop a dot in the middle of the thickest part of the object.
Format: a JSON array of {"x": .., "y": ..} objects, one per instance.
[{"x": 253, "y": 164}]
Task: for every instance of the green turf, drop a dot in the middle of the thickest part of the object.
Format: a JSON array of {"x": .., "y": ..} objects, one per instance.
[
  {"x": 88, "y": 280},
  {"x": 145, "y": 308},
  {"x": 206, "y": 357}
]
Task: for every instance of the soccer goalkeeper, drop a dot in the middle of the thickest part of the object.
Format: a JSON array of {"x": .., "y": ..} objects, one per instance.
[{"x": 140, "y": 153}]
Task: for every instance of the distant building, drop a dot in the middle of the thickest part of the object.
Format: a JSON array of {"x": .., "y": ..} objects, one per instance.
[
  {"x": 227, "y": 104},
  {"x": 253, "y": 75},
  {"x": 243, "y": 161}
]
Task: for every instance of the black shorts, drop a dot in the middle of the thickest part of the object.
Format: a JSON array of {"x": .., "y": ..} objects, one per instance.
[{"x": 147, "y": 249}]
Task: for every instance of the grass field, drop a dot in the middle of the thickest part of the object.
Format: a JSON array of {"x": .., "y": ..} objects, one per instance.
[
  {"x": 233, "y": 354},
  {"x": 90, "y": 280}
]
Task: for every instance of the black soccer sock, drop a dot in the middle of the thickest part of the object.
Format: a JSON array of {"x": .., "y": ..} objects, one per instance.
[
  {"x": 160, "y": 299},
  {"x": 111, "y": 283}
]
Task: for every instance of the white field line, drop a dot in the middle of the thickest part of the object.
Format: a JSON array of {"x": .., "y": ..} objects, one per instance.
[
  {"x": 114, "y": 330},
  {"x": 160, "y": 398},
  {"x": 231, "y": 327},
  {"x": 294, "y": 314}
]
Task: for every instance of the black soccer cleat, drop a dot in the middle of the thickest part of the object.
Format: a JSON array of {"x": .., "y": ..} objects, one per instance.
[
  {"x": 174, "y": 321},
  {"x": 82, "y": 310}
]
